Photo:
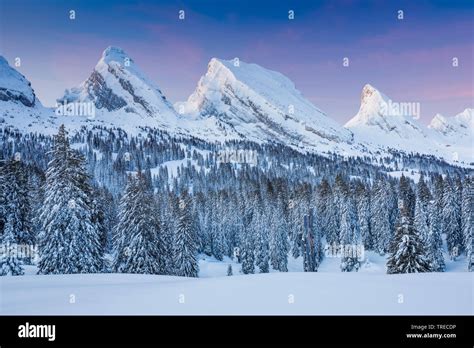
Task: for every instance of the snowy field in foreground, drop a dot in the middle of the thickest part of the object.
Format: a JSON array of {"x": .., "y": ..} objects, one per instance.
[{"x": 313, "y": 293}]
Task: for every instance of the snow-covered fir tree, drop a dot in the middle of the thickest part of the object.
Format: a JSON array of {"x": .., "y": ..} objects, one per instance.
[
  {"x": 422, "y": 220},
  {"x": 434, "y": 242},
  {"x": 422, "y": 209},
  {"x": 10, "y": 262},
  {"x": 185, "y": 241},
  {"x": 262, "y": 252},
  {"x": 406, "y": 195},
  {"x": 229, "y": 270},
  {"x": 468, "y": 220},
  {"x": 138, "y": 236},
  {"x": 69, "y": 239},
  {"x": 15, "y": 202},
  {"x": 351, "y": 241},
  {"x": 438, "y": 200},
  {"x": 407, "y": 252},
  {"x": 451, "y": 217},
  {"x": 247, "y": 240},
  {"x": 327, "y": 212},
  {"x": 362, "y": 196},
  {"x": 279, "y": 245},
  {"x": 381, "y": 224}
]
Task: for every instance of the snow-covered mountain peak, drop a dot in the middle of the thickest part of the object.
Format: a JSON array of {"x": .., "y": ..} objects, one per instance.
[
  {"x": 439, "y": 123},
  {"x": 373, "y": 109},
  {"x": 379, "y": 112},
  {"x": 457, "y": 126},
  {"x": 466, "y": 118},
  {"x": 371, "y": 95},
  {"x": 14, "y": 86},
  {"x": 260, "y": 104},
  {"x": 122, "y": 94},
  {"x": 255, "y": 76},
  {"x": 112, "y": 53},
  {"x": 385, "y": 123}
]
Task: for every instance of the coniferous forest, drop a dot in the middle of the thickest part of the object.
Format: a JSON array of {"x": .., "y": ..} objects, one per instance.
[{"x": 102, "y": 201}]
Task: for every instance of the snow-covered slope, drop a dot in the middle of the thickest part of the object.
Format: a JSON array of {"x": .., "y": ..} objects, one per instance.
[
  {"x": 261, "y": 105},
  {"x": 383, "y": 123}
]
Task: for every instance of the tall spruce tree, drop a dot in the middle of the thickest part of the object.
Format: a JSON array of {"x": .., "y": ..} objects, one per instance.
[
  {"x": 16, "y": 230},
  {"x": 326, "y": 212},
  {"x": 69, "y": 239},
  {"x": 406, "y": 195},
  {"x": 362, "y": 195},
  {"x": 468, "y": 220},
  {"x": 407, "y": 252},
  {"x": 380, "y": 208},
  {"x": 277, "y": 213},
  {"x": 312, "y": 251},
  {"x": 351, "y": 241},
  {"x": 16, "y": 210},
  {"x": 452, "y": 218},
  {"x": 422, "y": 220},
  {"x": 434, "y": 242},
  {"x": 185, "y": 241},
  {"x": 438, "y": 198},
  {"x": 139, "y": 240},
  {"x": 247, "y": 252},
  {"x": 261, "y": 237}
]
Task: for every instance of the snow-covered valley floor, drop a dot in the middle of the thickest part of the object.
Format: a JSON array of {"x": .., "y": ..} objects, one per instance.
[{"x": 328, "y": 292}]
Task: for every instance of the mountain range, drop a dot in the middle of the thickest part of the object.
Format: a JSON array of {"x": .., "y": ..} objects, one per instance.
[{"x": 233, "y": 100}]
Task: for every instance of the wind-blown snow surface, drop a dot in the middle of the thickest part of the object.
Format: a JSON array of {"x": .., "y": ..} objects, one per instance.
[{"x": 312, "y": 293}]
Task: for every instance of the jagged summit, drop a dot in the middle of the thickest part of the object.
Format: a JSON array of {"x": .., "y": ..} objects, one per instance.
[
  {"x": 117, "y": 85},
  {"x": 233, "y": 100},
  {"x": 113, "y": 53},
  {"x": 261, "y": 105},
  {"x": 379, "y": 113},
  {"x": 460, "y": 124}
]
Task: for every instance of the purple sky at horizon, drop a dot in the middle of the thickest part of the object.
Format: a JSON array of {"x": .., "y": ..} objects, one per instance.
[{"x": 409, "y": 60}]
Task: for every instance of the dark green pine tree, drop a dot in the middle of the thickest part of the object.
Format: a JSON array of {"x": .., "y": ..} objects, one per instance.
[
  {"x": 69, "y": 240},
  {"x": 407, "y": 252},
  {"x": 186, "y": 239}
]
